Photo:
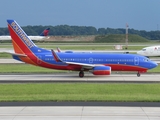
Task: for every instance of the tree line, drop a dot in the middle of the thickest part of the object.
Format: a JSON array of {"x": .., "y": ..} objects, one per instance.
[{"x": 60, "y": 30}]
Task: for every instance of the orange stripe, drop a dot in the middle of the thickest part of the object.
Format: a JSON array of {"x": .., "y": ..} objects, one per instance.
[
  {"x": 27, "y": 60},
  {"x": 17, "y": 49}
]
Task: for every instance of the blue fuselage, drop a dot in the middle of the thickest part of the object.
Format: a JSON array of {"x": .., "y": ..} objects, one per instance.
[{"x": 117, "y": 62}]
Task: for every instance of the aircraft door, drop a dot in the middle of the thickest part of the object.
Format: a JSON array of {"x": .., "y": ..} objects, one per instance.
[
  {"x": 136, "y": 60},
  {"x": 151, "y": 50},
  {"x": 90, "y": 60}
]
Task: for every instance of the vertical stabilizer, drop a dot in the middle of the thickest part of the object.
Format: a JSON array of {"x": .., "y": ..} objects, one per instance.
[
  {"x": 21, "y": 42},
  {"x": 45, "y": 32}
]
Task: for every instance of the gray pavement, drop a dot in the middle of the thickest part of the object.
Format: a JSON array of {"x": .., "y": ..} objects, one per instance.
[
  {"x": 79, "y": 113},
  {"x": 9, "y": 61},
  {"x": 73, "y": 77},
  {"x": 83, "y": 103}
]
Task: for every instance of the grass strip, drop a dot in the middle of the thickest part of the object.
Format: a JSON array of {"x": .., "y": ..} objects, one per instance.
[
  {"x": 80, "y": 92},
  {"x": 25, "y": 68}
]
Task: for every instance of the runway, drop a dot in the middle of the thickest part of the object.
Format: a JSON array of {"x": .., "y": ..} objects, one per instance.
[
  {"x": 79, "y": 113},
  {"x": 5, "y": 61},
  {"x": 73, "y": 77}
]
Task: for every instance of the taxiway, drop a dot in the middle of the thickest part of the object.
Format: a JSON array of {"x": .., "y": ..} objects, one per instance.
[
  {"x": 79, "y": 113},
  {"x": 73, "y": 77}
]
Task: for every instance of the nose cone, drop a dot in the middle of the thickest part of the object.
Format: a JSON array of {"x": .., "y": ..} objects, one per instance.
[{"x": 153, "y": 65}]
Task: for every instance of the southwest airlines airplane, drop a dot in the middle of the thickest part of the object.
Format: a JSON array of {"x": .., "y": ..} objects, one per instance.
[
  {"x": 42, "y": 36},
  {"x": 97, "y": 63},
  {"x": 151, "y": 51}
]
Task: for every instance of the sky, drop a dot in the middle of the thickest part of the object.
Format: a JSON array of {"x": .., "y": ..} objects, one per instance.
[{"x": 139, "y": 14}]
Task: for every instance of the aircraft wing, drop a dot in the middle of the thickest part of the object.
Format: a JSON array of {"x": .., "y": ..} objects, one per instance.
[
  {"x": 81, "y": 64},
  {"x": 87, "y": 66}
]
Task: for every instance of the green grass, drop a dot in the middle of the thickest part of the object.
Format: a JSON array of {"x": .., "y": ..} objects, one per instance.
[
  {"x": 80, "y": 92},
  {"x": 120, "y": 38},
  {"x": 25, "y": 68},
  {"x": 5, "y": 55}
]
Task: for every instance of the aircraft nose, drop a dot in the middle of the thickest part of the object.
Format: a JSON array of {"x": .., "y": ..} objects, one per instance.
[{"x": 154, "y": 64}]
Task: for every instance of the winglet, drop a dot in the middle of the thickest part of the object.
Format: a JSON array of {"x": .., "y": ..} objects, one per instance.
[
  {"x": 58, "y": 49},
  {"x": 45, "y": 32},
  {"x": 56, "y": 57}
]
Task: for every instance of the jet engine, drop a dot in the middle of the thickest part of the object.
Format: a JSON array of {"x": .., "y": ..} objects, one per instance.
[{"x": 101, "y": 70}]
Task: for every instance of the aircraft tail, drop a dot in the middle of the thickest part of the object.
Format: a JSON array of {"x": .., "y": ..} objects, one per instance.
[
  {"x": 45, "y": 32},
  {"x": 22, "y": 44}
]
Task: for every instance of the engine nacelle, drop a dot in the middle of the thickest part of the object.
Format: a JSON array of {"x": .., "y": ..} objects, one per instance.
[
  {"x": 68, "y": 51},
  {"x": 101, "y": 70}
]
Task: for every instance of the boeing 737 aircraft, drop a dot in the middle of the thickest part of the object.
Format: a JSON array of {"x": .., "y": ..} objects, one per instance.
[
  {"x": 97, "y": 63},
  {"x": 151, "y": 51},
  {"x": 42, "y": 36}
]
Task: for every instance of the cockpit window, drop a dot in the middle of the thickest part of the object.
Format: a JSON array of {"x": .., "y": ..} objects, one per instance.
[
  {"x": 143, "y": 49},
  {"x": 146, "y": 60}
]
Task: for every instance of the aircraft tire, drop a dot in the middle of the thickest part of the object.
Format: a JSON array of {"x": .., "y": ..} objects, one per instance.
[
  {"x": 138, "y": 74},
  {"x": 81, "y": 74}
]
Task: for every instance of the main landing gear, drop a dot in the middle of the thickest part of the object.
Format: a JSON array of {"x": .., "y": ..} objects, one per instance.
[
  {"x": 81, "y": 74},
  {"x": 138, "y": 74}
]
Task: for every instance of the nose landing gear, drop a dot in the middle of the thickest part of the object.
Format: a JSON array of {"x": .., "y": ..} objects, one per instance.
[
  {"x": 138, "y": 74},
  {"x": 81, "y": 74}
]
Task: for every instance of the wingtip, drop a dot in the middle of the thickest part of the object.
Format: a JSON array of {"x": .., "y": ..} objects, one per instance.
[{"x": 56, "y": 57}]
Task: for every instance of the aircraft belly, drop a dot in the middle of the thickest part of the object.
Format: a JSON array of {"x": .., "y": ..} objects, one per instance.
[{"x": 126, "y": 68}]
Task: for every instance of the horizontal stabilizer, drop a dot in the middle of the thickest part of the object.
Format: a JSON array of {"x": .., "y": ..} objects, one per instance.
[{"x": 16, "y": 54}]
